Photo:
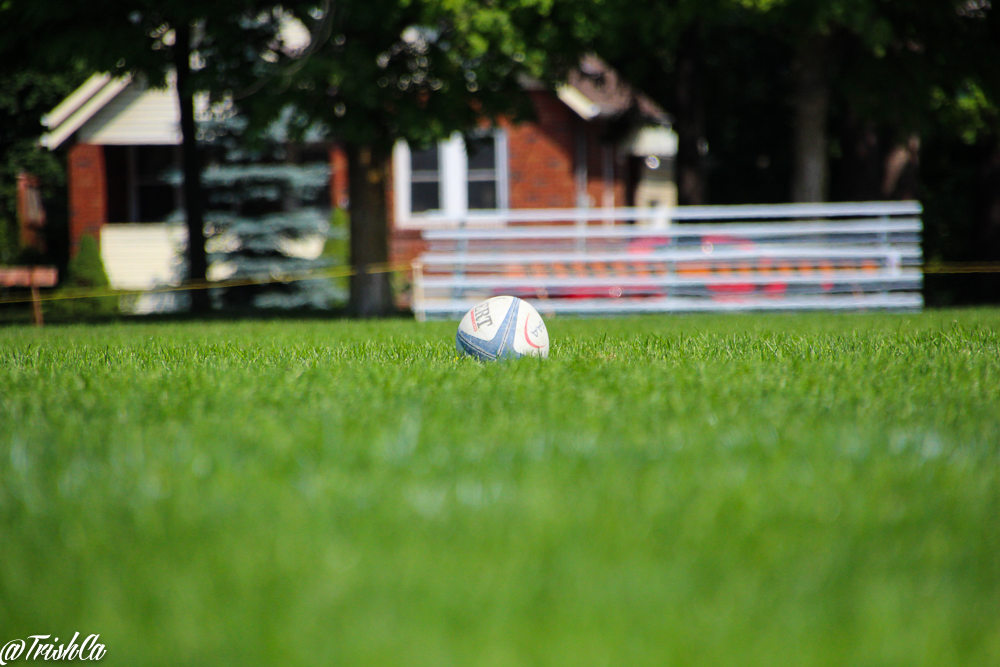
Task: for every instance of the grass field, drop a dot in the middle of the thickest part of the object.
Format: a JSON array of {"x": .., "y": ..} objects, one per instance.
[{"x": 745, "y": 490}]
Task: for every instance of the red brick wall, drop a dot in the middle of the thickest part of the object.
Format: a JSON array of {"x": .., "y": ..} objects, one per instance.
[
  {"x": 30, "y": 212},
  {"x": 541, "y": 156},
  {"x": 88, "y": 193},
  {"x": 338, "y": 176},
  {"x": 595, "y": 169},
  {"x": 405, "y": 246},
  {"x": 390, "y": 194}
]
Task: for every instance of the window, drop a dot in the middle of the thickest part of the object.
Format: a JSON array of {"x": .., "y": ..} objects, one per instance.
[
  {"x": 138, "y": 187},
  {"x": 440, "y": 183},
  {"x": 482, "y": 174},
  {"x": 156, "y": 197},
  {"x": 425, "y": 180}
]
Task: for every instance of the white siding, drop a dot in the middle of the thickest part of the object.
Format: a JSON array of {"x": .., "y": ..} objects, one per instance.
[
  {"x": 136, "y": 116},
  {"x": 146, "y": 256},
  {"x": 142, "y": 256}
]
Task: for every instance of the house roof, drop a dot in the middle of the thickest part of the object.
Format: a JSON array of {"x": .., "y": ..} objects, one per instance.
[
  {"x": 596, "y": 90},
  {"x": 120, "y": 111},
  {"x": 79, "y": 107},
  {"x": 110, "y": 110}
]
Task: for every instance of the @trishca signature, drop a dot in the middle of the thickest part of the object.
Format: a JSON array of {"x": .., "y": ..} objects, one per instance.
[{"x": 88, "y": 649}]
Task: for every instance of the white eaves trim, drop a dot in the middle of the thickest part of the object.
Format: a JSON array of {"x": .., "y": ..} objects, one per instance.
[
  {"x": 653, "y": 140},
  {"x": 53, "y": 118},
  {"x": 97, "y": 94},
  {"x": 577, "y": 101}
]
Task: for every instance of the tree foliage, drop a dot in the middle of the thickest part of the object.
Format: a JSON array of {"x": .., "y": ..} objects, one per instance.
[
  {"x": 85, "y": 272},
  {"x": 371, "y": 72},
  {"x": 414, "y": 70},
  {"x": 25, "y": 95},
  {"x": 213, "y": 46},
  {"x": 874, "y": 76}
]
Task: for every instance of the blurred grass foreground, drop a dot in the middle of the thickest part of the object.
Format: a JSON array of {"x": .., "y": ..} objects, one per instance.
[{"x": 743, "y": 490}]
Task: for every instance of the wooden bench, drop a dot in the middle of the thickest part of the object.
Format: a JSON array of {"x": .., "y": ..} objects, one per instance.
[
  {"x": 781, "y": 257},
  {"x": 34, "y": 277}
]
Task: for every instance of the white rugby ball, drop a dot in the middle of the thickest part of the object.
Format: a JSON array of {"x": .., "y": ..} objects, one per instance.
[{"x": 500, "y": 328}]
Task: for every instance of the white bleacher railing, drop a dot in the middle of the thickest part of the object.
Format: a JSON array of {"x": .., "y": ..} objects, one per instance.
[{"x": 848, "y": 256}]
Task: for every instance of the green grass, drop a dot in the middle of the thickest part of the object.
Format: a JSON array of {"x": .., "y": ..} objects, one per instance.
[{"x": 745, "y": 490}]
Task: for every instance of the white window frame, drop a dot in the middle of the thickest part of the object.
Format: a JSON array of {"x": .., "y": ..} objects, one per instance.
[{"x": 454, "y": 166}]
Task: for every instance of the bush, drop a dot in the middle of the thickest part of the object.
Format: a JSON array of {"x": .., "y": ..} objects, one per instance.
[
  {"x": 337, "y": 250},
  {"x": 85, "y": 273}
]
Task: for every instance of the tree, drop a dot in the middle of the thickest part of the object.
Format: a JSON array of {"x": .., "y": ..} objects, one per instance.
[
  {"x": 875, "y": 62},
  {"x": 660, "y": 47},
  {"x": 374, "y": 71},
  {"x": 692, "y": 57},
  {"x": 414, "y": 70},
  {"x": 808, "y": 28},
  {"x": 215, "y": 46},
  {"x": 840, "y": 73},
  {"x": 85, "y": 271},
  {"x": 260, "y": 204},
  {"x": 29, "y": 89},
  {"x": 25, "y": 95}
]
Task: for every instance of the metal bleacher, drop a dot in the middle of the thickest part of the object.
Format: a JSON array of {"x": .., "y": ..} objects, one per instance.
[{"x": 850, "y": 256}]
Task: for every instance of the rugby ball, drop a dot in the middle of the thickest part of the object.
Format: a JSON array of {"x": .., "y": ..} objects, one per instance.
[{"x": 501, "y": 328}]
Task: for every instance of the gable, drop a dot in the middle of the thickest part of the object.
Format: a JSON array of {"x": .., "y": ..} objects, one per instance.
[
  {"x": 136, "y": 116},
  {"x": 119, "y": 112}
]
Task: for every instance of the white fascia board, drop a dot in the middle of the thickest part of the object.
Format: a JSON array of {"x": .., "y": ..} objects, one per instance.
[
  {"x": 454, "y": 176},
  {"x": 656, "y": 140},
  {"x": 401, "y": 182},
  {"x": 530, "y": 83},
  {"x": 75, "y": 100},
  {"x": 54, "y": 139},
  {"x": 578, "y": 102}
]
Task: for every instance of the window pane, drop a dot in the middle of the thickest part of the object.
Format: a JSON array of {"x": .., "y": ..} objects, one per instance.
[
  {"x": 482, "y": 194},
  {"x": 152, "y": 162},
  {"x": 426, "y": 158},
  {"x": 155, "y": 202},
  {"x": 424, "y": 196},
  {"x": 482, "y": 152}
]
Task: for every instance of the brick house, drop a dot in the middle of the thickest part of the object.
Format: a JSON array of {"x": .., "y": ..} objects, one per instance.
[{"x": 594, "y": 143}]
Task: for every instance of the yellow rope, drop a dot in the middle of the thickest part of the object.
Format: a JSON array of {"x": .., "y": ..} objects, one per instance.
[
  {"x": 345, "y": 271},
  {"x": 90, "y": 292},
  {"x": 964, "y": 267}
]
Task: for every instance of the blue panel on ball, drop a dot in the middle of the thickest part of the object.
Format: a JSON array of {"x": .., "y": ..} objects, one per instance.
[
  {"x": 473, "y": 346},
  {"x": 508, "y": 331},
  {"x": 499, "y": 347}
]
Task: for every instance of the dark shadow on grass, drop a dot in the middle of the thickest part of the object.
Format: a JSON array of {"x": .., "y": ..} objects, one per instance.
[{"x": 22, "y": 316}]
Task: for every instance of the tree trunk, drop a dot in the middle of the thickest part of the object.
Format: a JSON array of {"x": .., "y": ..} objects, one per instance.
[
  {"x": 689, "y": 104},
  {"x": 811, "y": 102},
  {"x": 193, "y": 200},
  {"x": 902, "y": 170},
  {"x": 371, "y": 291},
  {"x": 859, "y": 170},
  {"x": 989, "y": 215}
]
